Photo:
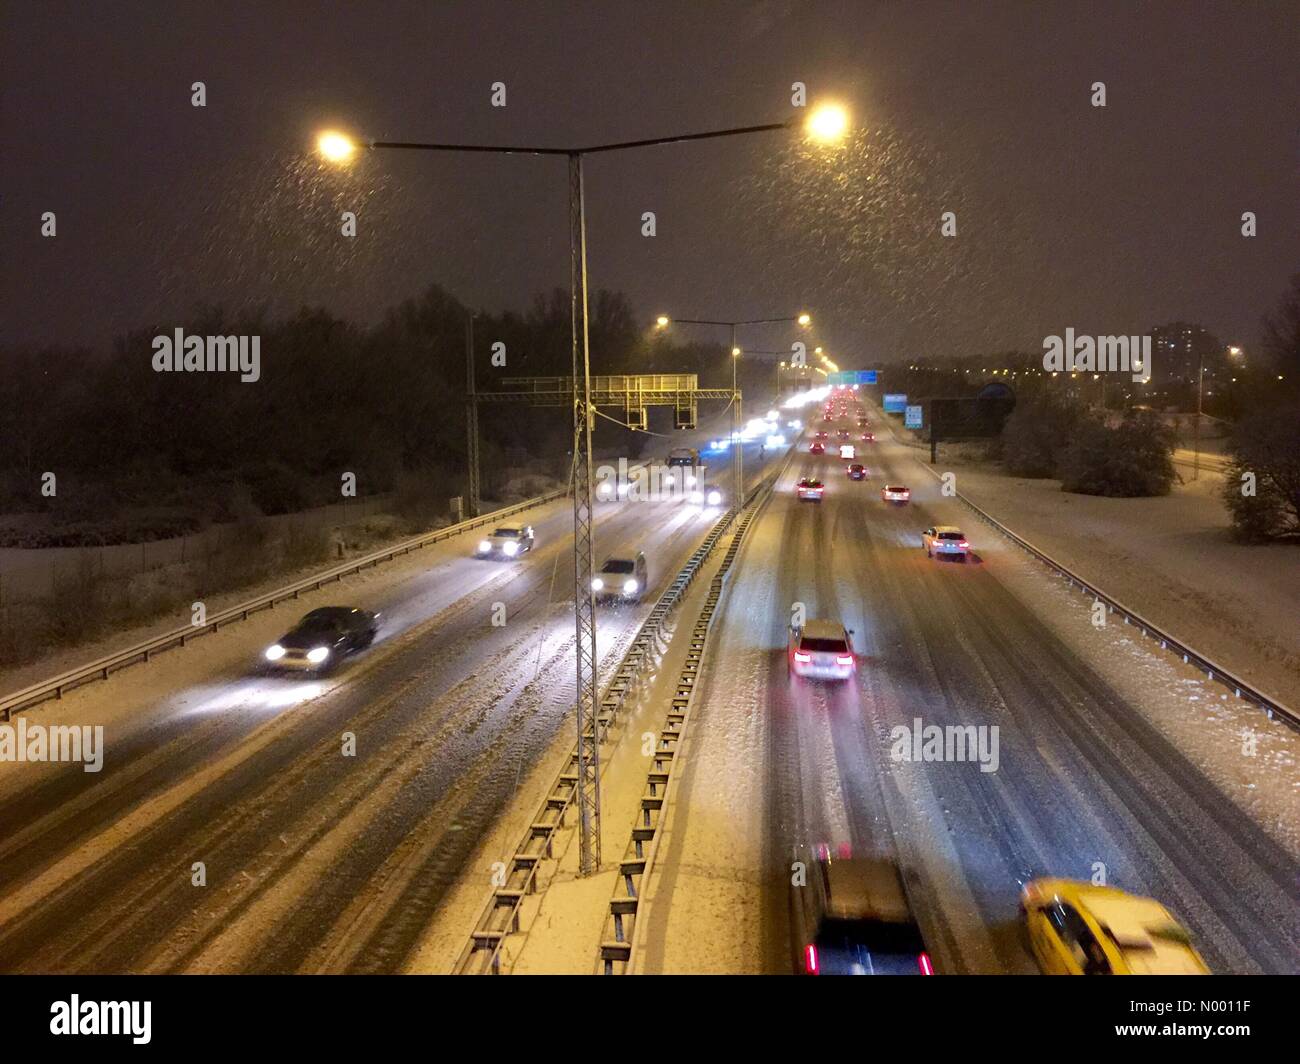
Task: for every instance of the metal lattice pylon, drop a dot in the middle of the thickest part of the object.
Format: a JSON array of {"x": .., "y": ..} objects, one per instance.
[
  {"x": 471, "y": 420},
  {"x": 584, "y": 606}
]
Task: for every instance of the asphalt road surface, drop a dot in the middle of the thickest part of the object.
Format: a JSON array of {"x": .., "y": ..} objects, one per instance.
[{"x": 314, "y": 861}]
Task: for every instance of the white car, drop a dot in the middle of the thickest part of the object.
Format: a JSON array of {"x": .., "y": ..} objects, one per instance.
[
  {"x": 945, "y": 539},
  {"x": 821, "y": 650},
  {"x": 810, "y": 489},
  {"x": 621, "y": 579},
  {"x": 508, "y": 541}
]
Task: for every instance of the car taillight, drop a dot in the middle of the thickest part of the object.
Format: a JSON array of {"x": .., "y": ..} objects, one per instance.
[
  {"x": 963, "y": 543},
  {"x": 926, "y": 967},
  {"x": 843, "y": 659},
  {"x": 810, "y": 959},
  {"x": 799, "y": 655}
]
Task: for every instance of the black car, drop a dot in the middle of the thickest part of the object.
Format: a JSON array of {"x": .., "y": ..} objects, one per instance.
[
  {"x": 322, "y": 638},
  {"x": 857, "y": 472},
  {"x": 852, "y": 917}
]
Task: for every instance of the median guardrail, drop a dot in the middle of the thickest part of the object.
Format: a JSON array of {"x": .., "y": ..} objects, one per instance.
[
  {"x": 105, "y": 666},
  {"x": 1216, "y": 672},
  {"x": 619, "y": 935},
  {"x": 499, "y": 918}
]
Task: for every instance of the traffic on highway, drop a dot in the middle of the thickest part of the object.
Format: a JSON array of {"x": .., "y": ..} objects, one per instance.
[{"x": 623, "y": 490}]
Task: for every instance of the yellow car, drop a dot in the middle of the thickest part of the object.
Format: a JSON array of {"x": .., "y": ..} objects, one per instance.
[{"x": 1076, "y": 928}]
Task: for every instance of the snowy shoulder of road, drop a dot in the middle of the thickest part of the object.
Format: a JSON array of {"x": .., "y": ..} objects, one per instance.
[
  {"x": 1170, "y": 559},
  {"x": 1254, "y": 761}
]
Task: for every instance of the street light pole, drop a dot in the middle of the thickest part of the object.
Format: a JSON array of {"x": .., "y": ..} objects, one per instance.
[
  {"x": 737, "y": 444},
  {"x": 1196, "y": 427},
  {"x": 827, "y": 124},
  {"x": 584, "y": 605},
  {"x": 471, "y": 417}
]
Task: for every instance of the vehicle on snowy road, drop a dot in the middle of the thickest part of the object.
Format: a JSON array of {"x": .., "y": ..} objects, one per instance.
[
  {"x": 821, "y": 650},
  {"x": 1076, "y": 928},
  {"x": 322, "y": 638},
  {"x": 856, "y": 920},
  {"x": 945, "y": 540},
  {"x": 508, "y": 541},
  {"x": 621, "y": 579}
]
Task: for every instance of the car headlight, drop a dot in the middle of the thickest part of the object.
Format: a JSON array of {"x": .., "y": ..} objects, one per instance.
[
  {"x": 670, "y": 480},
  {"x": 510, "y": 548},
  {"x": 624, "y": 488},
  {"x": 629, "y": 586},
  {"x": 715, "y": 498},
  {"x": 274, "y": 652},
  {"x": 598, "y": 584},
  {"x": 484, "y": 547},
  {"x": 604, "y": 488},
  {"x": 318, "y": 655},
  {"x": 697, "y": 497},
  {"x": 690, "y": 481}
]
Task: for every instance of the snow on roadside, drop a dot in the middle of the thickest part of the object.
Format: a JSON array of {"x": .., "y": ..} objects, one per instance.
[
  {"x": 1168, "y": 558},
  {"x": 1254, "y": 761}
]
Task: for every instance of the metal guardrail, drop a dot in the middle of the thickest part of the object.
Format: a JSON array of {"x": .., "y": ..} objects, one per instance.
[
  {"x": 481, "y": 955},
  {"x": 1271, "y": 706},
  {"x": 618, "y": 937},
  {"x": 101, "y": 669}
]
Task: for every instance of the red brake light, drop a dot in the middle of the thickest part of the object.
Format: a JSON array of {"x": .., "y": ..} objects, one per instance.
[
  {"x": 924, "y": 960},
  {"x": 799, "y": 655},
  {"x": 844, "y": 659},
  {"x": 810, "y": 959},
  {"x": 963, "y": 543}
]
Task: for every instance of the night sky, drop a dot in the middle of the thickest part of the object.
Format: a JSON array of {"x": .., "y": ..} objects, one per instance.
[{"x": 1105, "y": 220}]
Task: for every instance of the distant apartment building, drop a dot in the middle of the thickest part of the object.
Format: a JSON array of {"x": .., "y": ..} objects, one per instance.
[{"x": 1177, "y": 350}]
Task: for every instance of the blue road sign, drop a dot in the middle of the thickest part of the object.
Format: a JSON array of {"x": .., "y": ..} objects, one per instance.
[
  {"x": 895, "y": 403},
  {"x": 912, "y": 418},
  {"x": 849, "y": 377}
]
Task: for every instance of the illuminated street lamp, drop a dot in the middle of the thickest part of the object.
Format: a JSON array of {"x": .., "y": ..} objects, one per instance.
[
  {"x": 737, "y": 452},
  {"x": 828, "y": 123},
  {"x": 338, "y": 148}
]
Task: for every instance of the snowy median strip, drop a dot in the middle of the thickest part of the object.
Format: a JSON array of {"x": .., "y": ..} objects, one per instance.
[
  {"x": 619, "y": 936},
  {"x": 517, "y": 878}
]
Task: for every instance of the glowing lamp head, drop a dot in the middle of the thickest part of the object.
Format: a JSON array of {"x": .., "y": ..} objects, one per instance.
[
  {"x": 828, "y": 123},
  {"x": 661, "y": 322},
  {"x": 805, "y": 319},
  {"x": 336, "y": 147}
]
